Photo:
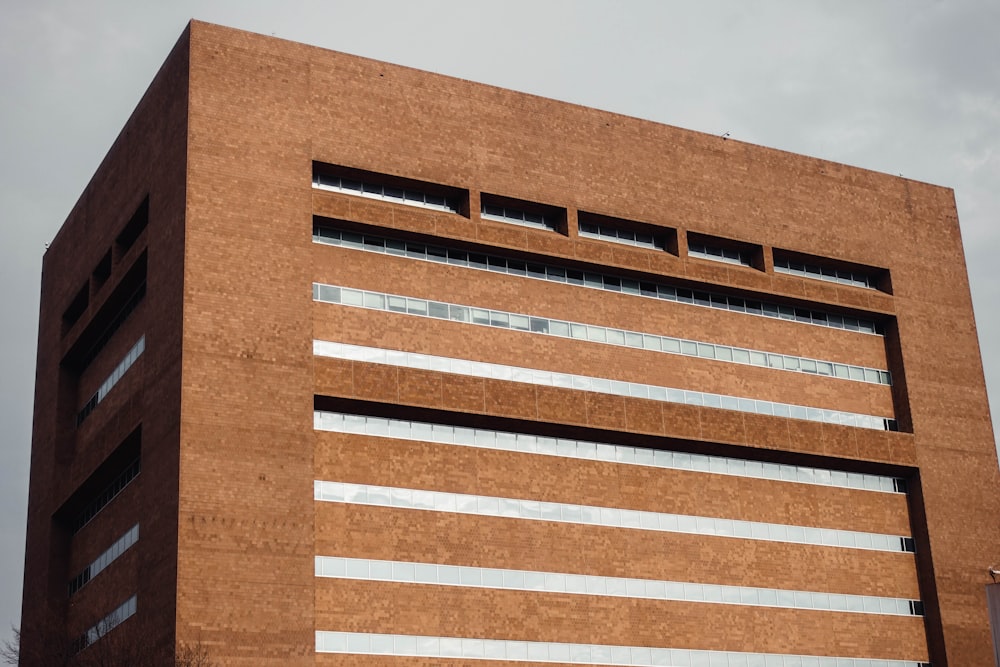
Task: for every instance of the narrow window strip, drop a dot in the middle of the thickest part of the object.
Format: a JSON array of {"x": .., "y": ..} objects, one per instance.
[
  {"x": 719, "y": 254},
  {"x": 101, "y": 563},
  {"x": 499, "y": 319},
  {"x": 620, "y": 235},
  {"x": 839, "y": 276},
  {"x": 108, "y": 494},
  {"x": 409, "y": 572},
  {"x": 597, "y": 451},
  {"x": 130, "y": 358},
  {"x": 517, "y": 216},
  {"x": 124, "y": 612},
  {"x": 465, "y": 648},
  {"x": 595, "y": 384},
  {"x": 372, "y": 190},
  {"x": 612, "y": 517}
]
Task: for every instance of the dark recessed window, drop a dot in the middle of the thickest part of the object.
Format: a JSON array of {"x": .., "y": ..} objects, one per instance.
[
  {"x": 102, "y": 271},
  {"x": 77, "y": 307},
  {"x": 133, "y": 228}
]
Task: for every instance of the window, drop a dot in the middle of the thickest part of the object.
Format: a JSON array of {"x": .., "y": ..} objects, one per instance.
[
  {"x": 105, "y": 559},
  {"x": 389, "y": 188},
  {"x": 108, "y": 494},
  {"x": 102, "y": 271},
  {"x": 627, "y": 232},
  {"x": 112, "y": 380},
  {"x": 519, "y": 212},
  {"x": 718, "y": 254},
  {"x": 727, "y": 251},
  {"x": 124, "y": 612},
  {"x": 76, "y": 308},
  {"x": 830, "y": 270}
]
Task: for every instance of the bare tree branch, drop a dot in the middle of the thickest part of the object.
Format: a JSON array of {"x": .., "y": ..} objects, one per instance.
[
  {"x": 114, "y": 648},
  {"x": 10, "y": 650},
  {"x": 195, "y": 655}
]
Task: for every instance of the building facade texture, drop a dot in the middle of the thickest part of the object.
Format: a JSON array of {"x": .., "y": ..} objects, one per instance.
[{"x": 342, "y": 363}]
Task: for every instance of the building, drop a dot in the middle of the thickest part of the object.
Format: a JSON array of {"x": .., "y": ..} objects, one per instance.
[{"x": 340, "y": 361}]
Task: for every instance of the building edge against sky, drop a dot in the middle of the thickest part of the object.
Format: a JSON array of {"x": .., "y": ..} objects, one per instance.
[{"x": 340, "y": 360}]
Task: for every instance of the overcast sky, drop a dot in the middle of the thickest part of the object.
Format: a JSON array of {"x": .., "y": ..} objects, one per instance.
[{"x": 907, "y": 87}]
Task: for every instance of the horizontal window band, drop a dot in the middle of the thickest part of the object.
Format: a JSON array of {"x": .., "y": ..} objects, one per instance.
[
  {"x": 579, "y": 584},
  {"x": 610, "y": 517},
  {"x": 483, "y": 369},
  {"x": 499, "y": 319},
  {"x": 111, "y": 554},
  {"x": 130, "y": 358},
  {"x": 327, "y": 235},
  {"x": 595, "y": 451},
  {"x": 575, "y": 654}
]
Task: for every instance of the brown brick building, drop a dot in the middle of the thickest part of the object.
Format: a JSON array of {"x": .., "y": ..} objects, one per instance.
[{"x": 346, "y": 363}]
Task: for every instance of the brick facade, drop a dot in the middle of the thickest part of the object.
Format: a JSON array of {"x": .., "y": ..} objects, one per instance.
[{"x": 220, "y": 405}]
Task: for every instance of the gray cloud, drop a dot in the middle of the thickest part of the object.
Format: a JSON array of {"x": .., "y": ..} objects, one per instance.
[{"x": 900, "y": 86}]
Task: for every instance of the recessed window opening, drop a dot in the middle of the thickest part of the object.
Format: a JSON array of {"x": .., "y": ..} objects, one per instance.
[
  {"x": 77, "y": 307},
  {"x": 106, "y": 495},
  {"x": 626, "y": 232},
  {"x": 389, "y": 188},
  {"x": 524, "y": 213},
  {"x": 133, "y": 228},
  {"x": 830, "y": 270},
  {"x": 725, "y": 250},
  {"x": 102, "y": 271},
  {"x": 727, "y": 255},
  {"x": 618, "y": 235}
]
